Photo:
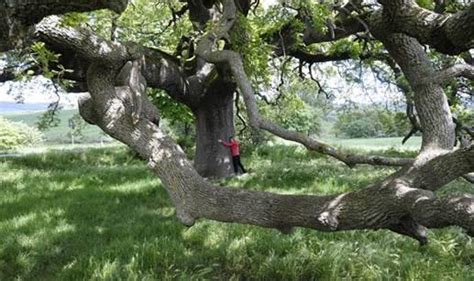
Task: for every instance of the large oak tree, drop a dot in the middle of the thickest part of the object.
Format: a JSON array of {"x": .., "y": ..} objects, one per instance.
[{"x": 405, "y": 202}]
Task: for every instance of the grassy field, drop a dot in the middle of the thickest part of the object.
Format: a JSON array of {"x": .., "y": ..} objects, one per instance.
[
  {"x": 367, "y": 144},
  {"x": 59, "y": 134},
  {"x": 413, "y": 144},
  {"x": 99, "y": 214}
]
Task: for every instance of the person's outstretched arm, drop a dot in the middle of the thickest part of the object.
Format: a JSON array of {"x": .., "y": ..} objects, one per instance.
[{"x": 228, "y": 144}]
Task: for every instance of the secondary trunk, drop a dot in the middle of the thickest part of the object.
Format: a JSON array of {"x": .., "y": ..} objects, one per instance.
[{"x": 214, "y": 120}]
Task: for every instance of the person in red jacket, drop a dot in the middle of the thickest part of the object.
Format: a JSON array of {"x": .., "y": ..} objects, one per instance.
[{"x": 235, "y": 151}]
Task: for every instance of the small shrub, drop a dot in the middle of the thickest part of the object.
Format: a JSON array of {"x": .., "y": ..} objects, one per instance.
[{"x": 17, "y": 134}]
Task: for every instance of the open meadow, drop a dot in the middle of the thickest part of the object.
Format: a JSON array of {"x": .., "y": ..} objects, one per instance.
[{"x": 99, "y": 214}]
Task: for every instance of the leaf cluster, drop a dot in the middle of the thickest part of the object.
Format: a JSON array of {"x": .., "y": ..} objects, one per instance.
[
  {"x": 48, "y": 61},
  {"x": 293, "y": 113},
  {"x": 16, "y": 134},
  {"x": 246, "y": 38},
  {"x": 76, "y": 125},
  {"x": 170, "y": 109}
]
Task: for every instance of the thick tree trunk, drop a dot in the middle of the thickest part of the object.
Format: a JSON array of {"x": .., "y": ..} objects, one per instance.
[{"x": 214, "y": 120}]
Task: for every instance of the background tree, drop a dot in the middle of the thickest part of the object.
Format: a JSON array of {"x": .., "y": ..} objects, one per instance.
[
  {"x": 76, "y": 125},
  {"x": 17, "y": 134},
  {"x": 404, "y": 202},
  {"x": 371, "y": 122}
]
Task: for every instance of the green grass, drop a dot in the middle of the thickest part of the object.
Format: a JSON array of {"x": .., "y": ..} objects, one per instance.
[
  {"x": 367, "y": 144},
  {"x": 58, "y": 148},
  {"x": 100, "y": 214},
  {"x": 58, "y": 134}
]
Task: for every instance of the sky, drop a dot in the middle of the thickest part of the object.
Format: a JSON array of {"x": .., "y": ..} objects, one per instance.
[{"x": 38, "y": 90}]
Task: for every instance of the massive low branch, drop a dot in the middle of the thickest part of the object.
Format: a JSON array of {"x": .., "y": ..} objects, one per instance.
[
  {"x": 83, "y": 43},
  {"x": 435, "y": 173}
]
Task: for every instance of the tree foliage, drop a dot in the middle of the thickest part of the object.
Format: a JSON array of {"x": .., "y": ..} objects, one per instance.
[
  {"x": 371, "y": 122},
  {"x": 17, "y": 134}
]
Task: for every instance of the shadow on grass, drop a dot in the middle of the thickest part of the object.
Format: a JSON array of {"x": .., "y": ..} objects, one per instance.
[
  {"x": 57, "y": 211},
  {"x": 101, "y": 215}
]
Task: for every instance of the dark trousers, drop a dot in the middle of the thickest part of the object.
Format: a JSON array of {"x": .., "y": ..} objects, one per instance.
[{"x": 238, "y": 164}]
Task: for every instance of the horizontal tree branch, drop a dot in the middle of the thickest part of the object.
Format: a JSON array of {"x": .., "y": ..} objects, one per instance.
[
  {"x": 444, "y": 76},
  {"x": 83, "y": 42},
  {"x": 34, "y": 10},
  {"x": 445, "y": 211},
  {"x": 442, "y": 169},
  {"x": 450, "y": 34}
]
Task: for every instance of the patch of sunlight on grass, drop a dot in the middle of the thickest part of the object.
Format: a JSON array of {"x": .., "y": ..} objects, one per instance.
[
  {"x": 106, "y": 271},
  {"x": 76, "y": 184},
  {"x": 52, "y": 213},
  {"x": 294, "y": 190},
  {"x": 100, "y": 229},
  {"x": 53, "y": 226},
  {"x": 10, "y": 175},
  {"x": 19, "y": 221},
  {"x": 70, "y": 265},
  {"x": 64, "y": 227},
  {"x": 160, "y": 212},
  {"x": 26, "y": 261},
  {"x": 214, "y": 238},
  {"x": 328, "y": 187},
  {"x": 134, "y": 187},
  {"x": 237, "y": 245}
]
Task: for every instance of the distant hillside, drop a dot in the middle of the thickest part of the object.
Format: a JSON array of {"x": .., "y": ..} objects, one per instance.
[
  {"x": 14, "y": 107},
  {"x": 59, "y": 134}
]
